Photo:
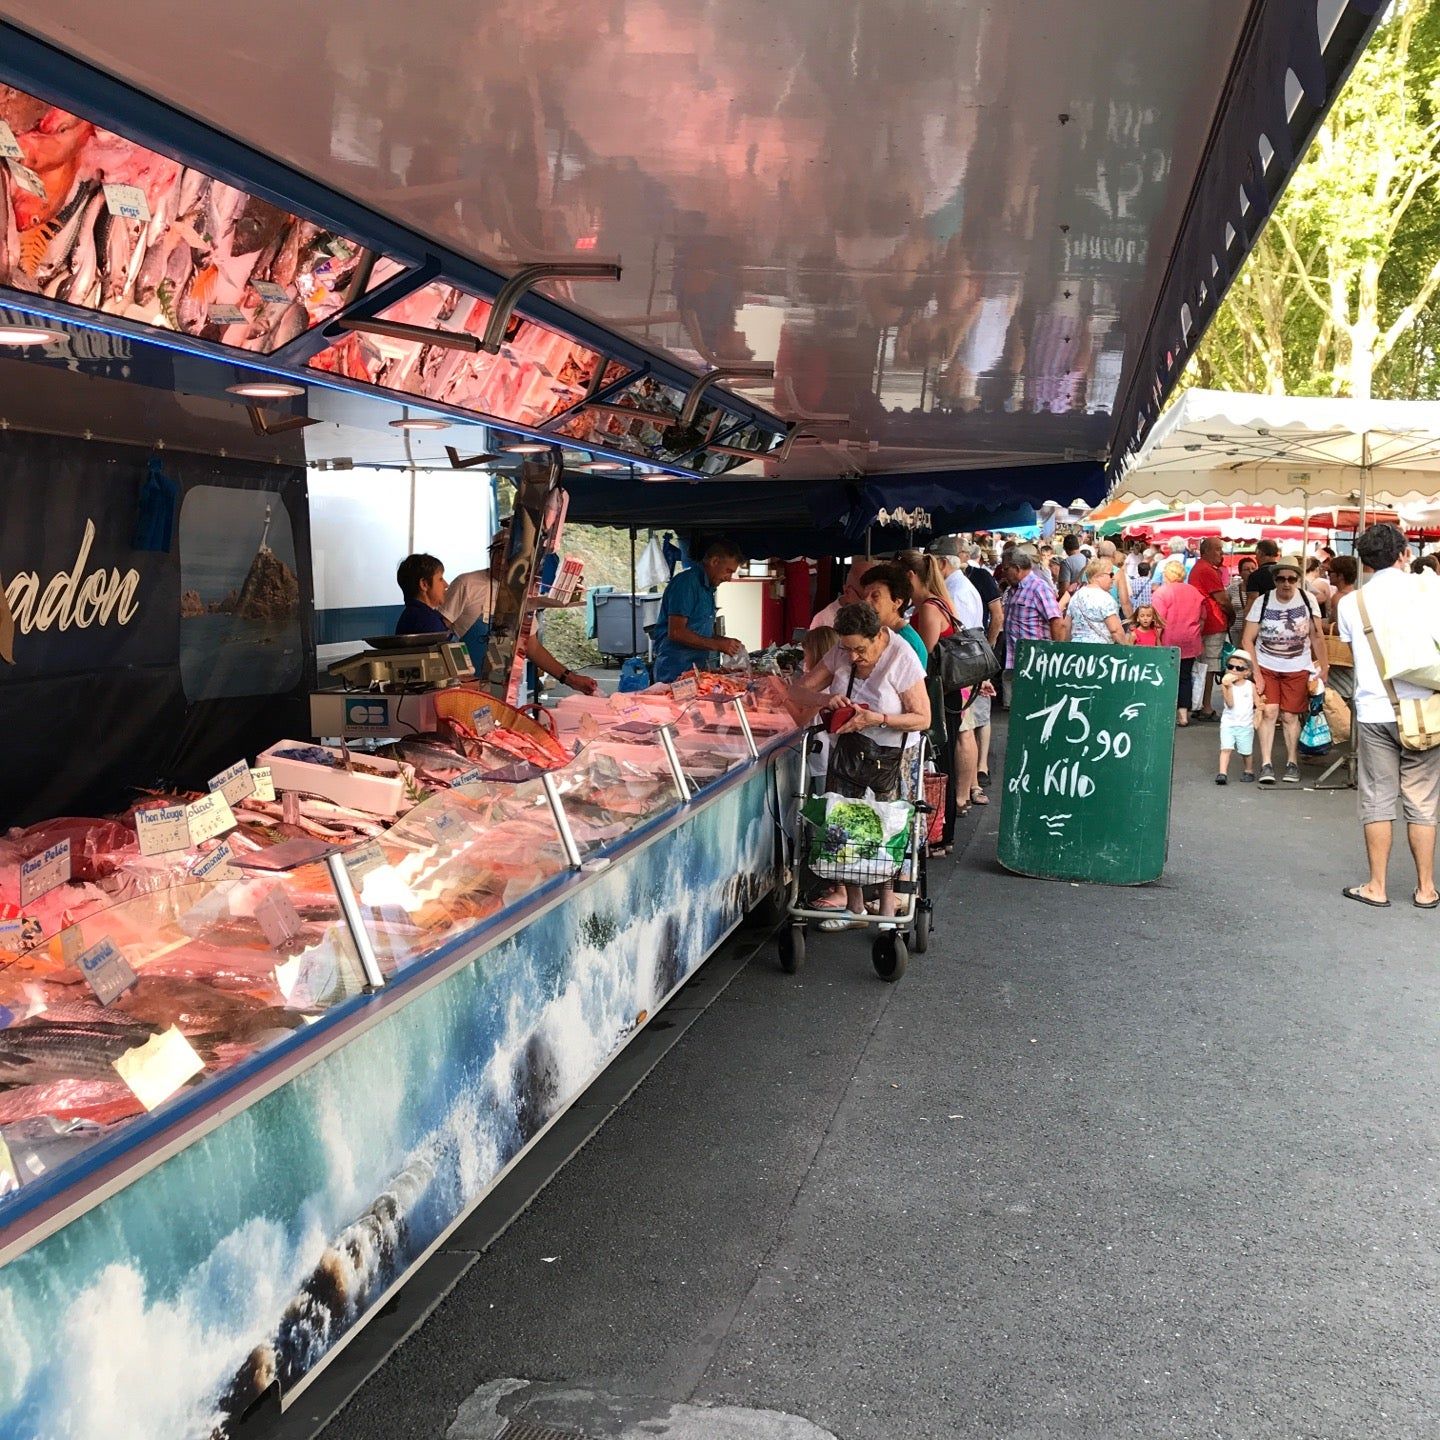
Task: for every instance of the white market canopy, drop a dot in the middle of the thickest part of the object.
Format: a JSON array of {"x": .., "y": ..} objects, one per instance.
[{"x": 1222, "y": 448}]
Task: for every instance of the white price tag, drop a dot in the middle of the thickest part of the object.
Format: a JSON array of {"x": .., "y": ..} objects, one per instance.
[
  {"x": 127, "y": 202},
  {"x": 72, "y": 944},
  {"x": 270, "y": 292},
  {"x": 42, "y": 873},
  {"x": 216, "y": 865},
  {"x": 278, "y": 917},
  {"x": 226, "y": 315},
  {"x": 11, "y": 934},
  {"x": 162, "y": 829},
  {"x": 444, "y": 826},
  {"x": 27, "y": 179},
  {"x": 107, "y": 971},
  {"x": 235, "y": 783},
  {"x": 685, "y": 689},
  {"x": 483, "y": 719},
  {"x": 155, "y": 1070},
  {"x": 9, "y": 150},
  {"x": 360, "y": 861},
  {"x": 264, "y": 783},
  {"x": 209, "y": 817}
]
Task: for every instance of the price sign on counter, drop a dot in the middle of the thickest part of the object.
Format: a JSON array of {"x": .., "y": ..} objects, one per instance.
[
  {"x": 685, "y": 689},
  {"x": 127, "y": 202},
  {"x": 209, "y": 817},
  {"x": 12, "y": 933},
  {"x": 264, "y": 783},
  {"x": 107, "y": 971},
  {"x": 72, "y": 944},
  {"x": 270, "y": 292},
  {"x": 226, "y": 315},
  {"x": 163, "y": 829},
  {"x": 42, "y": 873},
  {"x": 360, "y": 861},
  {"x": 483, "y": 719},
  {"x": 236, "y": 783},
  {"x": 444, "y": 826},
  {"x": 1088, "y": 762},
  {"x": 155, "y": 1070},
  {"x": 216, "y": 865}
]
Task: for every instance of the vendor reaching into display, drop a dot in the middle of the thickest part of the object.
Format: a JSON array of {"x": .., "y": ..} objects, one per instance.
[
  {"x": 465, "y": 606},
  {"x": 687, "y": 616},
  {"x": 421, "y": 579}
]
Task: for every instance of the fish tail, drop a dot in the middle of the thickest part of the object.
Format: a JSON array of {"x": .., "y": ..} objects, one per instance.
[
  {"x": 202, "y": 287},
  {"x": 33, "y": 245}
]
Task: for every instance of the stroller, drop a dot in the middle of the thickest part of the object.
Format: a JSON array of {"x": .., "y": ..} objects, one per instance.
[{"x": 896, "y": 935}]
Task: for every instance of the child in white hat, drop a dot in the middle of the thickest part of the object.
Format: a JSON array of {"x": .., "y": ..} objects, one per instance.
[{"x": 1237, "y": 719}]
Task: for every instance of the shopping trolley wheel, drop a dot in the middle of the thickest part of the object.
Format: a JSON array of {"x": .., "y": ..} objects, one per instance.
[
  {"x": 920, "y": 943},
  {"x": 792, "y": 948},
  {"x": 889, "y": 955}
]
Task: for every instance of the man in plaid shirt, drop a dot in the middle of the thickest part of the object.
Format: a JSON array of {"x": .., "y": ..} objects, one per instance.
[{"x": 1031, "y": 612}]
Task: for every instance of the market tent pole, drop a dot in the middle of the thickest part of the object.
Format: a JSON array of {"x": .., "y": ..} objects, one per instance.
[{"x": 634, "y": 630}]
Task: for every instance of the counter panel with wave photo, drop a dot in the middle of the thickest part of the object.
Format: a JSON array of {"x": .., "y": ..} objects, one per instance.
[{"x": 167, "y": 1309}]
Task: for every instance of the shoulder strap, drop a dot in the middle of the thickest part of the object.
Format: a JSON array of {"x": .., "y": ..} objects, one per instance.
[{"x": 1375, "y": 651}]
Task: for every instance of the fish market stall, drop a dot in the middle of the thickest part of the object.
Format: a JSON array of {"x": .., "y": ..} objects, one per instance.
[{"x": 247, "y": 1084}]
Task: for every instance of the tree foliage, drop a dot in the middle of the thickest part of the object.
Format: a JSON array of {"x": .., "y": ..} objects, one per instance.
[{"x": 1341, "y": 293}]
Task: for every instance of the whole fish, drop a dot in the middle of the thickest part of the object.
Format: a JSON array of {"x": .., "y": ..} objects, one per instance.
[
  {"x": 84, "y": 287},
  {"x": 44, "y": 248},
  {"x": 36, "y": 1053}
]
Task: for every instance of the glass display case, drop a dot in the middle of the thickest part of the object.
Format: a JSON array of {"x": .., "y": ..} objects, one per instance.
[{"x": 135, "y": 997}]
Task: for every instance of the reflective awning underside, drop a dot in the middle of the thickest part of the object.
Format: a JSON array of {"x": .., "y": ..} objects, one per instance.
[{"x": 967, "y": 235}]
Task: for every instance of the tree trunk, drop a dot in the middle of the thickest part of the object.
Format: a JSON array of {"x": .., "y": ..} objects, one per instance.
[{"x": 1365, "y": 330}]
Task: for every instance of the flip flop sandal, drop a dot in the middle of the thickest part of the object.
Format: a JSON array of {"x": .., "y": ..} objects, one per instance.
[
  {"x": 983, "y": 776},
  {"x": 833, "y": 905},
  {"x": 1352, "y": 892},
  {"x": 979, "y": 797},
  {"x": 850, "y": 921},
  {"x": 1420, "y": 904}
]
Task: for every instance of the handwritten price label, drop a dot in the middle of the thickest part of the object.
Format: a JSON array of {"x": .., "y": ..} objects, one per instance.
[
  {"x": 106, "y": 971},
  {"x": 444, "y": 826},
  {"x": 42, "y": 873},
  {"x": 264, "y": 783},
  {"x": 127, "y": 202},
  {"x": 9, "y": 150},
  {"x": 209, "y": 817},
  {"x": 270, "y": 292},
  {"x": 226, "y": 315},
  {"x": 216, "y": 865},
  {"x": 235, "y": 783},
  {"x": 483, "y": 719},
  {"x": 12, "y": 933},
  {"x": 162, "y": 830},
  {"x": 360, "y": 861},
  {"x": 685, "y": 689}
]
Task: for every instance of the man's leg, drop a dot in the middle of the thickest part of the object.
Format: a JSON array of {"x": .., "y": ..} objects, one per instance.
[
  {"x": 1291, "y": 725},
  {"x": 1377, "y": 853},
  {"x": 1266, "y": 730},
  {"x": 1422, "y": 847}
]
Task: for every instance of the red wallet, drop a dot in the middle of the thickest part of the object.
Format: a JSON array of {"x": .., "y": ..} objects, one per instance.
[{"x": 839, "y": 716}]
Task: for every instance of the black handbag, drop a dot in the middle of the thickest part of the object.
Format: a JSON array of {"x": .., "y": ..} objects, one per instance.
[
  {"x": 964, "y": 659},
  {"x": 858, "y": 763}
]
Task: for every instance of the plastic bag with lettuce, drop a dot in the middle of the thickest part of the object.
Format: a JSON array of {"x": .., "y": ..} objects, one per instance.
[{"x": 861, "y": 842}]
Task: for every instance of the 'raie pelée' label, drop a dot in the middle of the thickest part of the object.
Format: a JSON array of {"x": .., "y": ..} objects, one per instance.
[{"x": 42, "y": 873}]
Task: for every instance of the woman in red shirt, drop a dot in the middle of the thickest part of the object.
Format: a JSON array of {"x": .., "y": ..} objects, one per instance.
[{"x": 1182, "y": 608}]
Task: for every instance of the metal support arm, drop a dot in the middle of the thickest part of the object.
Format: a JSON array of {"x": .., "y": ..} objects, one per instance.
[
  {"x": 529, "y": 276},
  {"x": 762, "y": 371}
]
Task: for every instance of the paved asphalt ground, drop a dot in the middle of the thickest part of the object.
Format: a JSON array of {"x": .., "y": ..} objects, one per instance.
[{"x": 1106, "y": 1163}]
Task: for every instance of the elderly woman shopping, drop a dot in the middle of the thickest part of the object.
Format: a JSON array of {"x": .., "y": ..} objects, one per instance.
[
  {"x": 875, "y": 673},
  {"x": 1182, "y": 608}
]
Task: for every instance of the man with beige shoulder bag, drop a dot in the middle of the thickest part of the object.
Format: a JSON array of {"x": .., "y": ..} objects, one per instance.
[{"x": 1397, "y": 736}]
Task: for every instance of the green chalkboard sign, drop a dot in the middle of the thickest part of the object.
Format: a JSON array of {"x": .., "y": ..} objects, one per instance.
[{"x": 1088, "y": 762}]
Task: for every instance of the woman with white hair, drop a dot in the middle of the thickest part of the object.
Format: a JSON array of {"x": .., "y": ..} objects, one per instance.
[{"x": 1182, "y": 608}]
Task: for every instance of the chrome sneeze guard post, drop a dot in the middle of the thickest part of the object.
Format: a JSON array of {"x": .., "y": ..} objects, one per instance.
[
  {"x": 745, "y": 727},
  {"x": 667, "y": 739},
  {"x": 350, "y": 908},
  {"x": 562, "y": 821}
]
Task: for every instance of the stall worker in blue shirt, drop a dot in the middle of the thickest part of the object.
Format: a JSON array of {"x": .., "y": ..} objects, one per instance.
[
  {"x": 421, "y": 579},
  {"x": 687, "y": 616}
]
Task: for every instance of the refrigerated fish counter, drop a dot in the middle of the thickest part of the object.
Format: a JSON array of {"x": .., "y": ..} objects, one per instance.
[{"x": 249, "y": 1082}]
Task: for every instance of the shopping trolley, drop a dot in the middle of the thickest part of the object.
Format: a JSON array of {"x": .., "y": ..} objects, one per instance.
[{"x": 896, "y": 935}]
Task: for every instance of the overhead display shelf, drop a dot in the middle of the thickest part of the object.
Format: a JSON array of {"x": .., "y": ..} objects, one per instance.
[
  {"x": 99, "y": 228},
  {"x": 104, "y": 224}
]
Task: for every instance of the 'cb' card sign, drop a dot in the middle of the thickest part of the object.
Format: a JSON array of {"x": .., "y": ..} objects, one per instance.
[{"x": 1088, "y": 762}]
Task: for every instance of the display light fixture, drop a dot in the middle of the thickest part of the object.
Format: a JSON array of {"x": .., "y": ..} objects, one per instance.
[
  {"x": 526, "y": 447},
  {"x": 596, "y": 467},
  {"x": 266, "y": 390},
  {"x": 16, "y": 336},
  {"x": 420, "y": 422}
]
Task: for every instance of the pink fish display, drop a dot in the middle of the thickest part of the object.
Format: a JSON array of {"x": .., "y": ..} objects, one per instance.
[{"x": 106, "y": 224}]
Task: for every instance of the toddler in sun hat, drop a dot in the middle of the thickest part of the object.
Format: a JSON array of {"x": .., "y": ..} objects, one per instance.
[{"x": 1237, "y": 719}]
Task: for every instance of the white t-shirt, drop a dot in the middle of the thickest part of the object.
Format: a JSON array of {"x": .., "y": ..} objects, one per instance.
[
  {"x": 468, "y": 600},
  {"x": 965, "y": 601},
  {"x": 897, "y": 669},
  {"x": 1090, "y": 608},
  {"x": 1283, "y": 642},
  {"x": 1385, "y": 592},
  {"x": 1241, "y": 709}
]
